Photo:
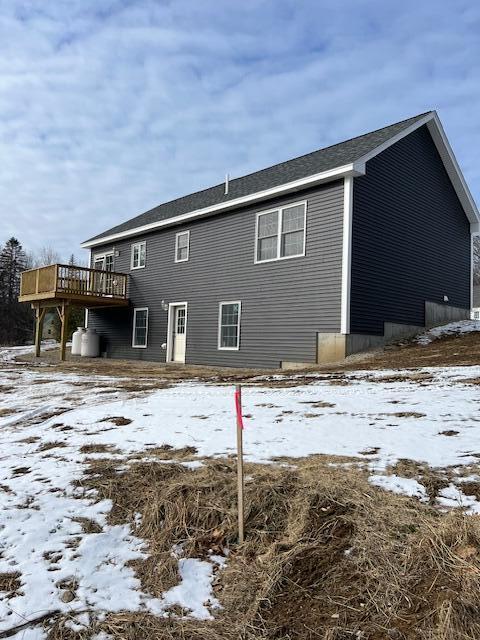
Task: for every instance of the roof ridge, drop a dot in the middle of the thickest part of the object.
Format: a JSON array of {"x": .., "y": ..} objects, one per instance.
[
  {"x": 330, "y": 146},
  {"x": 292, "y": 168},
  {"x": 277, "y": 164}
]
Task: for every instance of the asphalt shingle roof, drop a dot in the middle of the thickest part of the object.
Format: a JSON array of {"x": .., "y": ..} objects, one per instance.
[{"x": 331, "y": 157}]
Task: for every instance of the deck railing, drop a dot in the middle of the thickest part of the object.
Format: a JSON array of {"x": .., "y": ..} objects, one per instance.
[{"x": 64, "y": 279}]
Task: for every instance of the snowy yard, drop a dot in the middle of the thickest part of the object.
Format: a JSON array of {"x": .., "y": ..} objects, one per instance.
[{"x": 53, "y": 423}]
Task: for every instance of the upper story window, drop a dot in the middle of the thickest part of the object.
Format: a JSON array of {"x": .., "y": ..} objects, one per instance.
[
  {"x": 139, "y": 255},
  {"x": 182, "y": 246},
  {"x": 281, "y": 233},
  {"x": 140, "y": 327}
]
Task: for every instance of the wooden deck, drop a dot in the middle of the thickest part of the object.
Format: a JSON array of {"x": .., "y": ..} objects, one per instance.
[
  {"x": 62, "y": 286},
  {"x": 79, "y": 285}
]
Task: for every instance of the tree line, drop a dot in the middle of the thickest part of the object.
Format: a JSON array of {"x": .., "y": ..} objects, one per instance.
[{"x": 17, "y": 319}]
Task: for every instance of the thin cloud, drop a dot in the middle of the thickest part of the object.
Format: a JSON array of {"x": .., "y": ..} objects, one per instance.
[{"x": 107, "y": 109}]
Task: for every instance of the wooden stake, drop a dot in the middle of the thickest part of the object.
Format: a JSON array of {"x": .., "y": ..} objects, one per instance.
[
  {"x": 240, "y": 479},
  {"x": 39, "y": 315},
  {"x": 63, "y": 336}
]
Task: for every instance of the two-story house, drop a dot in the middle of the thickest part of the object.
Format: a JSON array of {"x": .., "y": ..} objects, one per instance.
[{"x": 310, "y": 260}]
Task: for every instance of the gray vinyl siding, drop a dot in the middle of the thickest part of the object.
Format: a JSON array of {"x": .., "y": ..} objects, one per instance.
[
  {"x": 284, "y": 303},
  {"x": 410, "y": 238}
]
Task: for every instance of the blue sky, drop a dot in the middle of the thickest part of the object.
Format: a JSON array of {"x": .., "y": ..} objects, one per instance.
[{"x": 109, "y": 107}]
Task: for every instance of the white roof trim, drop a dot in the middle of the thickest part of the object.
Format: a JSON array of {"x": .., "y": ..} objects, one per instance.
[
  {"x": 324, "y": 176},
  {"x": 449, "y": 161},
  {"x": 356, "y": 168}
]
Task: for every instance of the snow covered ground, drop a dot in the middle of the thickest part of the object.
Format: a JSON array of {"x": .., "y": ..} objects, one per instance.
[
  {"x": 454, "y": 328},
  {"x": 46, "y": 417}
]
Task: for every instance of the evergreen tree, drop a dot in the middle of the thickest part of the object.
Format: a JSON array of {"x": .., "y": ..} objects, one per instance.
[
  {"x": 16, "y": 320},
  {"x": 12, "y": 262}
]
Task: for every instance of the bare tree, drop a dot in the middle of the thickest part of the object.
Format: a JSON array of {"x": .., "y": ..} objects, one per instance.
[
  {"x": 476, "y": 259},
  {"x": 45, "y": 256}
]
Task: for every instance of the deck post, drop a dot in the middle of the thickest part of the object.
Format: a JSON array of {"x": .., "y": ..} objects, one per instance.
[
  {"x": 39, "y": 315},
  {"x": 64, "y": 314}
]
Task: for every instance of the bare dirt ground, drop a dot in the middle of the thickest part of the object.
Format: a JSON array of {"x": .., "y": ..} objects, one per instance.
[
  {"x": 328, "y": 554},
  {"x": 460, "y": 350}
]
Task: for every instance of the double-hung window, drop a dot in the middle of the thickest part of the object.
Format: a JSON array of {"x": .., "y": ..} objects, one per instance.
[
  {"x": 182, "y": 246},
  {"x": 281, "y": 233},
  {"x": 139, "y": 255},
  {"x": 140, "y": 328},
  {"x": 229, "y": 326}
]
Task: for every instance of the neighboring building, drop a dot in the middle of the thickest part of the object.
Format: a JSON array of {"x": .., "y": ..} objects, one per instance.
[
  {"x": 476, "y": 302},
  {"x": 49, "y": 329},
  {"x": 310, "y": 260}
]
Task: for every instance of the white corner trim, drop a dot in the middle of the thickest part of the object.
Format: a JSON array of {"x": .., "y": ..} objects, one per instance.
[
  {"x": 324, "y": 176},
  {"x": 471, "y": 270},
  {"x": 346, "y": 254}
]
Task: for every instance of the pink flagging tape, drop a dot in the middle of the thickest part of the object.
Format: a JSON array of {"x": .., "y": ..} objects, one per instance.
[{"x": 238, "y": 406}]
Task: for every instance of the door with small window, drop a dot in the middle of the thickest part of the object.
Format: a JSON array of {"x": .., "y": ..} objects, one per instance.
[
  {"x": 103, "y": 283},
  {"x": 179, "y": 333}
]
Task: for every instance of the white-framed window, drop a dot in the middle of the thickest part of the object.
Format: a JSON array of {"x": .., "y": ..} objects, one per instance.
[
  {"x": 229, "y": 325},
  {"x": 140, "y": 327},
  {"x": 280, "y": 233},
  {"x": 182, "y": 246},
  {"x": 139, "y": 255},
  {"x": 103, "y": 261}
]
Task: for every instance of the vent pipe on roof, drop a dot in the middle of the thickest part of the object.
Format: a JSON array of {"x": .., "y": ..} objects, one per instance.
[{"x": 227, "y": 179}]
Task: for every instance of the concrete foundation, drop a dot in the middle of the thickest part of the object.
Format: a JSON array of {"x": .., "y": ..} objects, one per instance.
[
  {"x": 438, "y": 314},
  {"x": 357, "y": 342},
  {"x": 331, "y": 347},
  {"x": 393, "y": 331}
]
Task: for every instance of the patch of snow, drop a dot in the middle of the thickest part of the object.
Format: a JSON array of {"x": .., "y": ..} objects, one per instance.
[
  {"x": 453, "y": 328},
  {"x": 193, "y": 593},
  {"x": 452, "y": 497},
  {"x": 371, "y": 417},
  {"x": 397, "y": 484},
  {"x": 470, "y": 478},
  {"x": 8, "y": 354}
]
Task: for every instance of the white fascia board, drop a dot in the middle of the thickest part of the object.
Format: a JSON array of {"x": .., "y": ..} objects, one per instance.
[
  {"x": 351, "y": 169},
  {"x": 448, "y": 158}
]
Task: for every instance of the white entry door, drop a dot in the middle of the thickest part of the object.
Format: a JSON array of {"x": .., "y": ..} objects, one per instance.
[{"x": 179, "y": 333}]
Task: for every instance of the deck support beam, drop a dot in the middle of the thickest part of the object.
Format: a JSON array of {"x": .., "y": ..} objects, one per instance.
[
  {"x": 39, "y": 316},
  {"x": 64, "y": 313}
]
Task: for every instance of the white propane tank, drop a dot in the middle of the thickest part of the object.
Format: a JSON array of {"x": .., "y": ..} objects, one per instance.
[
  {"x": 90, "y": 344},
  {"x": 77, "y": 341}
]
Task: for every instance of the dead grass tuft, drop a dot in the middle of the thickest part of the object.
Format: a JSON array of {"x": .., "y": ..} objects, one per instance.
[
  {"x": 97, "y": 448},
  {"x": 118, "y": 421},
  {"x": 327, "y": 555},
  {"x": 7, "y": 411},
  {"x": 474, "y": 381},
  {"x": 167, "y": 452},
  {"x": 10, "y": 583},
  {"x": 46, "y": 446}
]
